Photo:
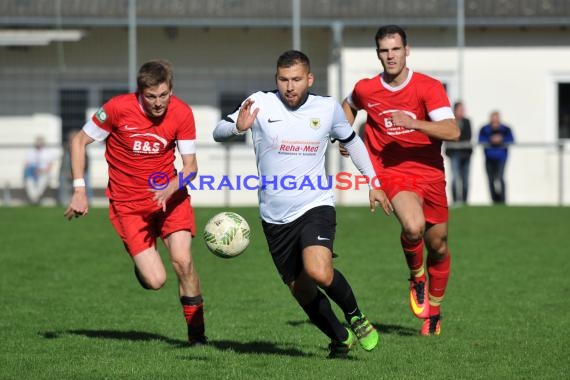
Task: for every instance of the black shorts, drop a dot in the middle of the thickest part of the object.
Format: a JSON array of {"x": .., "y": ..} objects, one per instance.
[{"x": 287, "y": 241}]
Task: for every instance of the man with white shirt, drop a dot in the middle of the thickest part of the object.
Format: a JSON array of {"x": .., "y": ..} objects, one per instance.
[
  {"x": 39, "y": 161},
  {"x": 291, "y": 129}
]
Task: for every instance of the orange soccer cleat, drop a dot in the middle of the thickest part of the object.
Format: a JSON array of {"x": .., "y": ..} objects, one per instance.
[
  {"x": 431, "y": 326},
  {"x": 418, "y": 298}
]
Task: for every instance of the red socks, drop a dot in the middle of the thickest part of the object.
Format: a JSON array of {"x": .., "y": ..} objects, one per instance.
[
  {"x": 414, "y": 253},
  {"x": 438, "y": 276},
  {"x": 193, "y": 308}
]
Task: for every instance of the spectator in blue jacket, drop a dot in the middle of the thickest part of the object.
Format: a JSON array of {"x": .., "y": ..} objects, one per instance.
[{"x": 496, "y": 137}]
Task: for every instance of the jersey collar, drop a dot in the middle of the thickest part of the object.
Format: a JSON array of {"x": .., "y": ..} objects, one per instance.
[{"x": 397, "y": 88}]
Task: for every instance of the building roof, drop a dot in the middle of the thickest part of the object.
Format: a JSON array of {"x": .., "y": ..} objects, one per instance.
[{"x": 278, "y": 13}]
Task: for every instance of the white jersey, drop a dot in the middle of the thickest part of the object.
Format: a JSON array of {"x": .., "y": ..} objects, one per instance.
[{"x": 290, "y": 148}]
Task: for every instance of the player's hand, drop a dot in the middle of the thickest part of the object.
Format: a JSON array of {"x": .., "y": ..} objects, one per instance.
[
  {"x": 78, "y": 206},
  {"x": 245, "y": 117},
  {"x": 402, "y": 119},
  {"x": 378, "y": 195},
  {"x": 343, "y": 150},
  {"x": 162, "y": 196}
]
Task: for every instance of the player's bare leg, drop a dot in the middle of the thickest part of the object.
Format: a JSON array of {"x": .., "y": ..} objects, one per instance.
[
  {"x": 438, "y": 265},
  {"x": 408, "y": 208},
  {"x": 149, "y": 269},
  {"x": 179, "y": 248}
]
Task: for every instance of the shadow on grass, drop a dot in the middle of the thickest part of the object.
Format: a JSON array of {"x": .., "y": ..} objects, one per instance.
[
  {"x": 254, "y": 347},
  {"x": 396, "y": 329},
  {"x": 382, "y": 328}
]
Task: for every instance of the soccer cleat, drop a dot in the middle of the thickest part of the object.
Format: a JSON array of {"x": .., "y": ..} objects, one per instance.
[
  {"x": 431, "y": 326},
  {"x": 339, "y": 350},
  {"x": 418, "y": 298},
  {"x": 364, "y": 331}
]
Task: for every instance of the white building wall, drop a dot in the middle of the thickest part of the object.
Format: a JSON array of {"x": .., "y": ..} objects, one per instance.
[{"x": 518, "y": 81}]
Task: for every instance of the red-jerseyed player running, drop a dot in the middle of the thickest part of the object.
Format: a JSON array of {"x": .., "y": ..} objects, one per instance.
[
  {"x": 141, "y": 131},
  {"x": 408, "y": 116}
]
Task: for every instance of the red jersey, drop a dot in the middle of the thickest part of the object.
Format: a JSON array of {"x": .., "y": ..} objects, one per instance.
[
  {"x": 138, "y": 146},
  {"x": 395, "y": 150}
]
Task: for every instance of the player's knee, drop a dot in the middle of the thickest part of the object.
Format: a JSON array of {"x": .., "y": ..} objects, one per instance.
[
  {"x": 182, "y": 266},
  {"x": 413, "y": 233},
  {"x": 322, "y": 276},
  {"x": 438, "y": 250},
  {"x": 151, "y": 281},
  {"x": 154, "y": 283}
]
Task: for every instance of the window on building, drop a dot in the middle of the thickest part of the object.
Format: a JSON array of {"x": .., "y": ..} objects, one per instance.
[
  {"x": 108, "y": 93},
  {"x": 564, "y": 110},
  {"x": 229, "y": 102},
  {"x": 72, "y": 107}
]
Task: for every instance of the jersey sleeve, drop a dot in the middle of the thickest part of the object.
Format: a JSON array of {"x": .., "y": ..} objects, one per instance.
[
  {"x": 106, "y": 115},
  {"x": 186, "y": 132},
  {"x": 437, "y": 102},
  {"x": 354, "y": 98},
  {"x": 102, "y": 121},
  {"x": 187, "y": 127},
  {"x": 341, "y": 129}
]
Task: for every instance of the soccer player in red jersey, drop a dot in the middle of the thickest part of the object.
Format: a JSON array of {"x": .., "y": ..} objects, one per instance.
[
  {"x": 408, "y": 117},
  {"x": 141, "y": 131}
]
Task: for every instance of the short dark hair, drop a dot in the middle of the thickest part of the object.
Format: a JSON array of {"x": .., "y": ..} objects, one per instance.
[
  {"x": 388, "y": 30},
  {"x": 293, "y": 57},
  {"x": 153, "y": 73},
  {"x": 457, "y": 104}
]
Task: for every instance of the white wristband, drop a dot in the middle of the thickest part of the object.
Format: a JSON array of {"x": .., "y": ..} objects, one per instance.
[{"x": 79, "y": 182}]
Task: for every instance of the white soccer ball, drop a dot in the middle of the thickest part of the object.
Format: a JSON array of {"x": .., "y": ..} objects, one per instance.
[{"x": 227, "y": 234}]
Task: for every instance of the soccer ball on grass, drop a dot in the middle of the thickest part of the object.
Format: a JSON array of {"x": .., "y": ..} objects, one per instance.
[{"x": 227, "y": 234}]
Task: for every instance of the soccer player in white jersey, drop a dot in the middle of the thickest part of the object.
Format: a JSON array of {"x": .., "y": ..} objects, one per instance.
[{"x": 290, "y": 130}]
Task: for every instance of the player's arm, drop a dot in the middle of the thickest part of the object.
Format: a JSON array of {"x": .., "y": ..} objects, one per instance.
[
  {"x": 78, "y": 205},
  {"x": 445, "y": 129},
  {"x": 359, "y": 155},
  {"x": 244, "y": 119},
  {"x": 187, "y": 150},
  {"x": 350, "y": 113}
]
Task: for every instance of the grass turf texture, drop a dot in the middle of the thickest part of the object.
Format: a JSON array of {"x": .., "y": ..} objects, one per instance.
[{"x": 70, "y": 306}]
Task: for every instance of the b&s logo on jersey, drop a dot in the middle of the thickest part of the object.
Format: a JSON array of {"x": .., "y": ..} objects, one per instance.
[
  {"x": 101, "y": 115},
  {"x": 150, "y": 143},
  {"x": 393, "y": 129}
]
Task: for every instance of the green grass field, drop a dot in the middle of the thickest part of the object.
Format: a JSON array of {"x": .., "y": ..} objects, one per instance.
[{"x": 70, "y": 306}]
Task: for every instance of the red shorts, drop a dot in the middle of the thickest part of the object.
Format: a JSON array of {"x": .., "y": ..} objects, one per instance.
[
  {"x": 140, "y": 222},
  {"x": 432, "y": 194}
]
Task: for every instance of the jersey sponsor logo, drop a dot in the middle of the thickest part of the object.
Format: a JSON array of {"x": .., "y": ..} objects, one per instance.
[
  {"x": 298, "y": 148},
  {"x": 370, "y": 105},
  {"x": 101, "y": 115},
  {"x": 148, "y": 147},
  {"x": 393, "y": 129},
  {"x": 270, "y": 120},
  {"x": 315, "y": 123},
  {"x": 127, "y": 128}
]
